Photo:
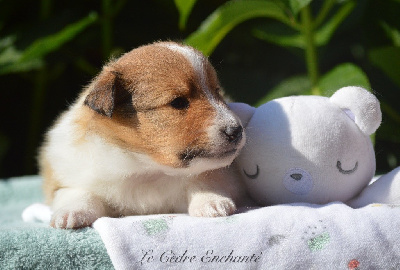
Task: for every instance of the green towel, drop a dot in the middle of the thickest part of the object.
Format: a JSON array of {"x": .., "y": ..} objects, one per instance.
[{"x": 36, "y": 245}]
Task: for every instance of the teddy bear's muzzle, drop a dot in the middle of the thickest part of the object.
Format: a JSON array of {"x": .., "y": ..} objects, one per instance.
[{"x": 298, "y": 181}]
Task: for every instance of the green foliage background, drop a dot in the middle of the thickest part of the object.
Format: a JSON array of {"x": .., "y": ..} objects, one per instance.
[{"x": 262, "y": 49}]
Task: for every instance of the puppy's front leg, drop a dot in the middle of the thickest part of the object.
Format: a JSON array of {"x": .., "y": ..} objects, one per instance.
[
  {"x": 75, "y": 208},
  {"x": 213, "y": 194}
]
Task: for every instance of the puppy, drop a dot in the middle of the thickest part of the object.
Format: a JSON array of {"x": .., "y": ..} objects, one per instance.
[{"x": 148, "y": 135}]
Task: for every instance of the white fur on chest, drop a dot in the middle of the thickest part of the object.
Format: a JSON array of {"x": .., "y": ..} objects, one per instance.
[
  {"x": 131, "y": 183},
  {"x": 140, "y": 194}
]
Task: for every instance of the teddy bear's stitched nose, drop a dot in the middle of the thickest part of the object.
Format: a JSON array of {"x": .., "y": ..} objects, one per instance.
[
  {"x": 296, "y": 176},
  {"x": 298, "y": 181}
]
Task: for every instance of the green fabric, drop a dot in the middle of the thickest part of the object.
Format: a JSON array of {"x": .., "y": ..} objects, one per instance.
[{"x": 36, "y": 245}]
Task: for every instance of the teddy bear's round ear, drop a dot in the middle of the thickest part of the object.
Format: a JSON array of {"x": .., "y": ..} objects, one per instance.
[
  {"x": 361, "y": 106},
  {"x": 243, "y": 111}
]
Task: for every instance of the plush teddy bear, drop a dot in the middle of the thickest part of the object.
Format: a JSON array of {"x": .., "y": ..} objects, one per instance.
[{"x": 310, "y": 148}]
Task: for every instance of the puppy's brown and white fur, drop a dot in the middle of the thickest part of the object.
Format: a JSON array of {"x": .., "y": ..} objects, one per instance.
[{"x": 148, "y": 135}]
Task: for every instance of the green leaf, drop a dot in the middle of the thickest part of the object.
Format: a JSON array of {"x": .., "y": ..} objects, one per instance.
[
  {"x": 21, "y": 67},
  {"x": 297, "y": 5},
  {"x": 12, "y": 60},
  {"x": 226, "y": 17},
  {"x": 278, "y": 35},
  {"x": 342, "y": 75},
  {"x": 9, "y": 61},
  {"x": 273, "y": 34},
  {"x": 185, "y": 8},
  {"x": 392, "y": 33},
  {"x": 48, "y": 44},
  {"x": 297, "y": 85},
  {"x": 294, "y": 6},
  {"x": 7, "y": 42},
  {"x": 388, "y": 60},
  {"x": 9, "y": 55},
  {"x": 326, "y": 31}
]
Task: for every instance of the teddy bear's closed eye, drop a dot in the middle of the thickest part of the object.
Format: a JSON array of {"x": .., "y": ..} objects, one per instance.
[
  {"x": 252, "y": 176},
  {"x": 339, "y": 166}
]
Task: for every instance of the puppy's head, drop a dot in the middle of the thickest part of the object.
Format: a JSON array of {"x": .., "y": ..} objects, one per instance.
[{"x": 163, "y": 101}]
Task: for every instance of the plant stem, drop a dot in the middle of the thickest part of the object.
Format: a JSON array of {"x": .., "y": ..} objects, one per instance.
[
  {"x": 326, "y": 8},
  {"x": 311, "y": 49}
]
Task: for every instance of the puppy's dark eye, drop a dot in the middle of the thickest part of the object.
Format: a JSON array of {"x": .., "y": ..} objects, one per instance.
[{"x": 180, "y": 103}]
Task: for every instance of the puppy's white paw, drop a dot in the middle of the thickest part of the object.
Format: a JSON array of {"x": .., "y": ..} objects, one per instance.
[
  {"x": 211, "y": 206},
  {"x": 73, "y": 219}
]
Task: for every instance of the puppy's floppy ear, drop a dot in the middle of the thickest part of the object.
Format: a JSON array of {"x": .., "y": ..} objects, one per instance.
[{"x": 101, "y": 97}]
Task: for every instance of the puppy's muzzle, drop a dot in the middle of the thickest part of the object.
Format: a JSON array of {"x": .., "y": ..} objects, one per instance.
[
  {"x": 233, "y": 134},
  {"x": 230, "y": 138}
]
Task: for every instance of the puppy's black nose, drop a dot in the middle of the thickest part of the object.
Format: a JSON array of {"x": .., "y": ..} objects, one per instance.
[{"x": 233, "y": 133}]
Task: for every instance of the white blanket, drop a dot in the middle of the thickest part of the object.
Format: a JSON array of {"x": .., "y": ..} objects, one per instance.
[{"x": 296, "y": 236}]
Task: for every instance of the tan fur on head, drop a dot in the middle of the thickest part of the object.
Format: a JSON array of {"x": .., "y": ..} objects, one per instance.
[
  {"x": 137, "y": 90},
  {"x": 141, "y": 139}
]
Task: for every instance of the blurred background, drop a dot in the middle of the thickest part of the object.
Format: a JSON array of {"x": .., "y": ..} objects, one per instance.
[{"x": 262, "y": 49}]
